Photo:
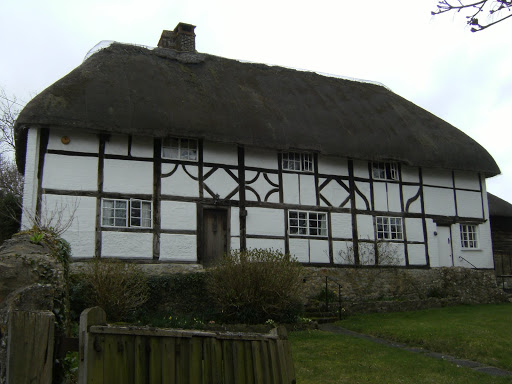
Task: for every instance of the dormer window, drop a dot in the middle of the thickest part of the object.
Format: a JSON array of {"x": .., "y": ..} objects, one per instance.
[
  {"x": 179, "y": 149},
  {"x": 385, "y": 170},
  {"x": 298, "y": 161}
]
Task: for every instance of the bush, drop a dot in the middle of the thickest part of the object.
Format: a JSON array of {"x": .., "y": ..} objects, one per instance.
[
  {"x": 116, "y": 287},
  {"x": 256, "y": 285}
]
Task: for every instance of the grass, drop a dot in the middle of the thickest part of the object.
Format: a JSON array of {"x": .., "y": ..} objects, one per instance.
[
  {"x": 322, "y": 357},
  {"x": 481, "y": 333}
]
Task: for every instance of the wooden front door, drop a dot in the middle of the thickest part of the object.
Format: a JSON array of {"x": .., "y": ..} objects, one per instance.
[{"x": 215, "y": 235}]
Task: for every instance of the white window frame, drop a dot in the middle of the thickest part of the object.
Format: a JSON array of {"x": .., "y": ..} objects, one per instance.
[
  {"x": 298, "y": 161},
  {"x": 178, "y": 148},
  {"x": 382, "y": 170},
  {"x": 469, "y": 236},
  {"x": 389, "y": 228},
  {"x": 307, "y": 223},
  {"x": 128, "y": 216}
]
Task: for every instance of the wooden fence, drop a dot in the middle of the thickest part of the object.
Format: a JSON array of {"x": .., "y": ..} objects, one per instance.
[{"x": 133, "y": 355}]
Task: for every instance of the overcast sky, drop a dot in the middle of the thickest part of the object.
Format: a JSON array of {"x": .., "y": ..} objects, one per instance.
[{"x": 437, "y": 63}]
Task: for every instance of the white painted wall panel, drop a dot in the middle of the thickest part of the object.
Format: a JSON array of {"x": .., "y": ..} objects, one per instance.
[
  {"x": 180, "y": 183},
  {"x": 394, "y": 198},
  {"x": 220, "y": 153},
  {"x": 364, "y": 188},
  {"x": 291, "y": 188},
  {"x": 467, "y": 180},
  {"x": 433, "y": 246},
  {"x": 439, "y": 201},
  {"x": 380, "y": 196},
  {"x": 142, "y": 146},
  {"x": 235, "y": 243},
  {"x": 117, "y": 145},
  {"x": 178, "y": 215},
  {"x": 300, "y": 249},
  {"x": 261, "y": 186},
  {"x": 410, "y": 174},
  {"x": 307, "y": 189},
  {"x": 127, "y": 176},
  {"x": 409, "y": 192},
  {"x": 178, "y": 247},
  {"x": 481, "y": 257},
  {"x": 70, "y": 172},
  {"x": 260, "y": 158},
  {"x": 414, "y": 228},
  {"x": 334, "y": 193},
  {"x": 341, "y": 224},
  {"x": 265, "y": 221},
  {"x": 235, "y": 222},
  {"x": 365, "y": 227},
  {"x": 340, "y": 250},
  {"x": 220, "y": 182},
  {"x": 439, "y": 177},
  {"x": 127, "y": 244},
  {"x": 361, "y": 169},
  {"x": 416, "y": 254},
  {"x": 79, "y": 141},
  {"x": 329, "y": 165},
  {"x": 469, "y": 204},
  {"x": 485, "y": 199},
  {"x": 400, "y": 252},
  {"x": 30, "y": 180},
  {"x": 275, "y": 244},
  {"x": 319, "y": 251}
]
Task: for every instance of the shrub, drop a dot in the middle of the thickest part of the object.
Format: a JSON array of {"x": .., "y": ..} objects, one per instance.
[
  {"x": 256, "y": 285},
  {"x": 116, "y": 287}
]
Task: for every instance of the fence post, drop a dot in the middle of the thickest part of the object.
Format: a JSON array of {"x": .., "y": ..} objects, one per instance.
[
  {"x": 86, "y": 370},
  {"x": 30, "y": 347}
]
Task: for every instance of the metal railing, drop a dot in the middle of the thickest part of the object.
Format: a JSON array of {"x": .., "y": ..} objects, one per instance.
[{"x": 469, "y": 262}]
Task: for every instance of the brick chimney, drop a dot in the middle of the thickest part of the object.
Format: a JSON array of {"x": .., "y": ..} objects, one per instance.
[{"x": 182, "y": 38}]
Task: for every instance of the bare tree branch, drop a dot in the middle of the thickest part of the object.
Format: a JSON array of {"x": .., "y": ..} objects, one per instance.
[
  {"x": 8, "y": 113},
  {"x": 494, "y": 9}
]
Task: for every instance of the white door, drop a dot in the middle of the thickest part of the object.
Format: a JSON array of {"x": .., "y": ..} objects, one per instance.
[{"x": 445, "y": 247}]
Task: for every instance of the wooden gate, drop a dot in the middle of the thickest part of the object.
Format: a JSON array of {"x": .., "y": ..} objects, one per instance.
[{"x": 133, "y": 355}]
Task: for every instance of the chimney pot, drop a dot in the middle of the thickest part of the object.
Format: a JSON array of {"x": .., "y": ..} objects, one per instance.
[{"x": 182, "y": 38}]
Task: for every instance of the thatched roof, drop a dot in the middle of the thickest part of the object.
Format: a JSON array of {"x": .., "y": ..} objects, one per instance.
[
  {"x": 133, "y": 90},
  {"x": 499, "y": 207}
]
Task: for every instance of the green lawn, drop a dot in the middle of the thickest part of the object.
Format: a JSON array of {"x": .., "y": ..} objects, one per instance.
[
  {"x": 322, "y": 357},
  {"x": 478, "y": 332}
]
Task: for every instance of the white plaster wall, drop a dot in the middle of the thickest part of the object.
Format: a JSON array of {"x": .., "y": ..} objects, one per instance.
[
  {"x": 380, "y": 196},
  {"x": 291, "y": 188},
  {"x": 414, "y": 229},
  {"x": 318, "y": 251},
  {"x": 260, "y": 158},
  {"x": 235, "y": 222},
  {"x": 265, "y": 221},
  {"x": 334, "y": 193},
  {"x": 220, "y": 153},
  {"x": 180, "y": 184},
  {"x": 300, "y": 249},
  {"x": 481, "y": 257},
  {"x": 178, "y": 247},
  {"x": 416, "y": 254},
  {"x": 262, "y": 186},
  {"x": 80, "y": 212},
  {"x": 275, "y": 244},
  {"x": 340, "y": 249},
  {"x": 70, "y": 172},
  {"x": 78, "y": 141},
  {"x": 178, "y": 215},
  {"x": 469, "y": 204},
  {"x": 235, "y": 243},
  {"x": 467, "y": 180},
  {"x": 142, "y": 146},
  {"x": 128, "y": 176},
  {"x": 127, "y": 244},
  {"x": 30, "y": 178},
  {"x": 409, "y": 192},
  {"x": 365, "y": 227},
  {"x": 361, "y": 169},
  {"x": 410, "y": 174},
  {"x": 117, "y": 145},
  {"x": 341, "y": 225},
  {"x": 485, "y": 199},
  {"x": 329, "y": 165},
  {"x": 439, "y": 201},
  {"x": 221, "y": 183},
  {"x": 440, "y": 177},
  {"x": 394, "y": 198},
  {"x": 307, "y": 189},
  {"x": 400, "y": 252},
  {"x": 364, "y": 188},
  {"x": 433, "y": 246}
]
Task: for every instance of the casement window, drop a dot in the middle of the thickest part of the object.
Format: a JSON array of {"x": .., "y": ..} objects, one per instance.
[
  {"x": 385, "y": 171},
  {"x": 468, "y": 236},
  {"x": 389, "y": 228},
  {"x": 298, "y": 161},
  {"x": 179, "y": 149},
  {"x": 307, "y": 223},
  {"x": 126, "y": 213}
]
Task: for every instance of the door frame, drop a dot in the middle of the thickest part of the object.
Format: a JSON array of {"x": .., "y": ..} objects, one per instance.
[{"x": 200, "y": 227}]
